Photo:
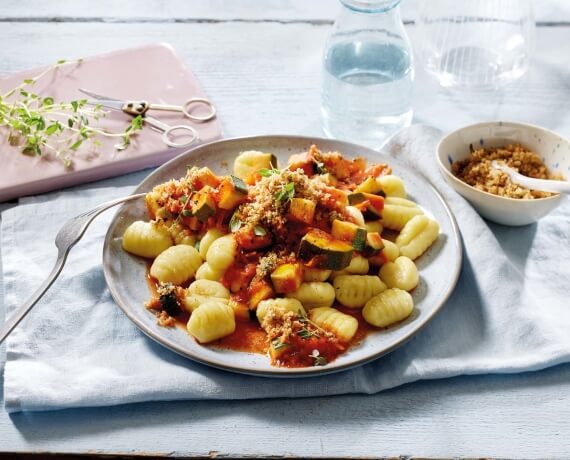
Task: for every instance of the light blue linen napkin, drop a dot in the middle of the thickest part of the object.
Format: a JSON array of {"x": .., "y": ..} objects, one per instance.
[{"x": 509, "y": 313}]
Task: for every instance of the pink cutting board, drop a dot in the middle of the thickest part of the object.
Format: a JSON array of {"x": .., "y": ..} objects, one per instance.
[{"x": 153, "y": 73}]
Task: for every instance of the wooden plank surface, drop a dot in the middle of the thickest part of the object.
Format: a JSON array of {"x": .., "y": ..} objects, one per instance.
[
  {"x": 316, "y": 11},
  {"x": 265, "y": 78}
]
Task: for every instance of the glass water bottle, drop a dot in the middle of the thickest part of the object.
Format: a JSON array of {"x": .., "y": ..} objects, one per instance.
[{"x": 368, "y": 73}]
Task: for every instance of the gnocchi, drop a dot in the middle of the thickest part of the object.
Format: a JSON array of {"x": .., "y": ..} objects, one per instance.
[
  {"x": 342, "y": 325},
  {"x": 398, "y": 211},
  {"x": 353, "y": 291},
  {"x": 176, "y": 264},
  {"x": 287, "y": 262},
  {"x": 212, "y": 321},
  {"x": 292, "y": 305},
  {"x": 221, "y": 252},
  {"x": 205, "y": 272},
  {"x": 314, "y": 294},
  {"x": 146, "y": 239},
  {"x": 201, "y": 291},
  {"x": 389, "y": 307},
  {"x": 418, "y": 234},
  {"x": 401, "y": 274}
]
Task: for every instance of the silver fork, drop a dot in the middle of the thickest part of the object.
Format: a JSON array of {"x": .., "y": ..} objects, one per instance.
[{"x": 66, "y": 238}]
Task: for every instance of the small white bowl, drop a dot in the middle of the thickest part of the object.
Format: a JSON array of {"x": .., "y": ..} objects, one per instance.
[{"x": 552, "y": 148}]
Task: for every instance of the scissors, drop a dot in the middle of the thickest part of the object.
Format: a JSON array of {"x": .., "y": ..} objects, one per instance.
[{"x": 136, "y": 108}]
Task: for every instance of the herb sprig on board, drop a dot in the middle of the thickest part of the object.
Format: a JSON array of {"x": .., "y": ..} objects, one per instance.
[{"x": 40, "y": 124}]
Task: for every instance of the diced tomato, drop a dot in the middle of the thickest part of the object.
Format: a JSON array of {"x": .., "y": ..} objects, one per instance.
[
  {"x": 259, "y": 290},
  {"x": 376, "y": 201},
  {"x": 301, "y": 351},
  {"x": 250, "y": 241},
  {"x": 239, "y": 276},
  {"x": 378, "y": 260},
  {"x": 205, "y": 177},
  {"x": 192, "y": 223},
  {"x": 337, "y": 198},
  {"x": 304, "y": 161},
  {"x": 380, "y": 169}
]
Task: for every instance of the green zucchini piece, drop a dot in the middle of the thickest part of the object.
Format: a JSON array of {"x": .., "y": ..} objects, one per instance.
[
  {"x": 347, "y": 231},
  {"x": 374, "y": 244},
  {"x": 204, "y": 205},
  {"x": 318, "y": 249},
  {"x": 355, "y": 198},
  {"x": 287, "y": 278},
  {"x": 369, "y": 186},
  {"x": 231, "y": 192},
  {"x": 302, "y": 210},
  {"x": 239, "y": 185},
  {"x": 375, "y": 205},
  {"x": 274, "y": 161}
]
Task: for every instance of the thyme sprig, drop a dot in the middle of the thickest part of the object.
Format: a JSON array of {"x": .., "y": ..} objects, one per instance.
[
  {"x": 39, "y": 124},
  {"x": 287, "y": 193},
  {"x": 319, "y": 359},
  {"x": 304, "y": 319}
]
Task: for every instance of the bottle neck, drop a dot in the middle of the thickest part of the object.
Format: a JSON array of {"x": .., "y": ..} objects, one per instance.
[
  {"x": 378, "y": 14},
  {"x": 372, "y": 7}
]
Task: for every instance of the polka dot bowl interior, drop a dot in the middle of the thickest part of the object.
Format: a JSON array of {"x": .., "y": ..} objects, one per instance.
[{"x": 551, "y": 147}]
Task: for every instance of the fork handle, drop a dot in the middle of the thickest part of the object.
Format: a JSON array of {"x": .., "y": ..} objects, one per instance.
[{"x": 23, "y": 309}]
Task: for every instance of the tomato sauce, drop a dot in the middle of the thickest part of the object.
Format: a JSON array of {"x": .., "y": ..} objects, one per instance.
[{"x": 250, "y": 337}]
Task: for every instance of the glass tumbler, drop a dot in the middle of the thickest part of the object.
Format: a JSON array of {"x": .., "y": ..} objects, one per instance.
[{"x": 475, "y": 43}]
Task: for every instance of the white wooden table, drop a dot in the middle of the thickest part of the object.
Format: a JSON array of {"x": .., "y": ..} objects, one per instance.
[{"x": 260, "y": 63}]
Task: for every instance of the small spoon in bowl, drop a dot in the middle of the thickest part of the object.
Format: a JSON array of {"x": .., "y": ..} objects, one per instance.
[{"x": 544, "y": 185}]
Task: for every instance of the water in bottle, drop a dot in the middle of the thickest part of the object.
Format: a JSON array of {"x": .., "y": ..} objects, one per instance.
[{"x": 367, "y": 76}]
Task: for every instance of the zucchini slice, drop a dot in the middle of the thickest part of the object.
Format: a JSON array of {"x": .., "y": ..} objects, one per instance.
[
  {"x": 374, "y": 244},
  {"x": 371, "y": 205},
  {"x": 352, "y": 233},
  {"x": 203, "y": 204},
  {"x": 369, "y": 186},
  {"x": 232, "y": 191},
  {"x": 302, "y": 210},
  {"x": 287, "y": 278},
  {"x": 258, "y": 291},
  {"x": 318, "y": 249},
  {"x": 204, "y": 177}
]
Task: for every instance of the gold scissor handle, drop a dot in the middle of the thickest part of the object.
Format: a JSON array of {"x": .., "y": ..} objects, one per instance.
[{"x": 136, "y": 108}]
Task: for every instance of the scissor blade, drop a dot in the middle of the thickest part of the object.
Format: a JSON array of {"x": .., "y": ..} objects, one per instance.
[
  {"x": 109, "y": 103},
  {"x": 96, "y": 96}
]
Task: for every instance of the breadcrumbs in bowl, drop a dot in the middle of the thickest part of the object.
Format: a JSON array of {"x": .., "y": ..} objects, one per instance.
[
  {"x": 476, "y": 170},
  {"x": 464, "y": 157}
]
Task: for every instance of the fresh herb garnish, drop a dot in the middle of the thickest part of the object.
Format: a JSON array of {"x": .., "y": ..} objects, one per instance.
[
  {"x": 235, "y": 223},
  {"x": 258, "y": 230},
  {"x": 320, "y": 168},
  {"x": 40, "y": 124},
  {"x": 276, "y": 344},
  {"x": 183, "y": 199},
  {"x": 286, "y": 193},
  {"x": 136, "y": 125},
  {"x": 186, "y": 213},
  {"x": 318, "y": 359},
  {"x": 264, "y": 172},
  {"x": 305, "y": 333}
]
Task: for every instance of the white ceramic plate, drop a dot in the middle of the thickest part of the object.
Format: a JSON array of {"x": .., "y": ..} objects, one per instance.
[{"x": 439, "y": 266}]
